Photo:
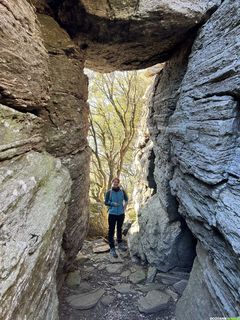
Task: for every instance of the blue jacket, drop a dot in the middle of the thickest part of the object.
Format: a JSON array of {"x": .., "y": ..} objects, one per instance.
[{"x": 118, "y": 197}]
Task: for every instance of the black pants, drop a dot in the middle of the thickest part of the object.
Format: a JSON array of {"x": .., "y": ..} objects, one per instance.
[{"x": 114, "y": 219}]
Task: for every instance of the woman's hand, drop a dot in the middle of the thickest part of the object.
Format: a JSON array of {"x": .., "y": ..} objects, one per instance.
[{"x": 115, "y": 204}]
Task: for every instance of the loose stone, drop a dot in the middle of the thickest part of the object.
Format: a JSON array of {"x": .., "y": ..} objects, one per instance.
[
  {"x": 101, "y": 248},
  {"x": 152, "y": 271},
  {"x": 125, "y": 273},
  {"x": 123, "y": 288},
  {"x": 73, "y": 279},
  {"x": 153, "y": 302},
  {"x": 114, "y": 268},
  {"x": 137, "y": 277},
  {"x": 107, "y": 300},
  {"x": 85, "y": 301}
]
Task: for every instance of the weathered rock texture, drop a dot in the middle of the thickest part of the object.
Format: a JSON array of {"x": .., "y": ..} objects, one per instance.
[
  {"x": 152, "y": 28},
  {"x": 34, "y": 190},
  {"x": 35, "y": 187},
  {"x": 206, "y": 152},
  {"x": 195, "y": 129},
  {"x": 114, "y": 32},
  {"x": 161, "y": 237},
  {"x": 25, "y": 126},
  {"x": 66, "y": 126},
  {"x": 145, "y": 185},
  {"x": 24, "y": 64},
  {"x": 193, "y": 123}
]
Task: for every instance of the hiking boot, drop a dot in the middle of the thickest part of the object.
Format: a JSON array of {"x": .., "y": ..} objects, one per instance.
[
  {"x": 113, "y": 253},
  {"x": 122, "y": 246}
]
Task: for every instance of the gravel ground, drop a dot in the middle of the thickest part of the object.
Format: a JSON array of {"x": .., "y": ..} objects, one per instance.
[{"x": 92, "y": 270}]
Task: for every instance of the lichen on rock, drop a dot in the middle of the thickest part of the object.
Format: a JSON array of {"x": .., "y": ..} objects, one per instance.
[{"x": 34, "y": 191}]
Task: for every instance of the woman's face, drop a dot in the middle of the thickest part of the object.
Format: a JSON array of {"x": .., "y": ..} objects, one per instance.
[{"x": 115, "y": 183}]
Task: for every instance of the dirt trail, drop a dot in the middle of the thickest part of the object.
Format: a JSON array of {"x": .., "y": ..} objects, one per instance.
[{"x": 120, "y": 287}]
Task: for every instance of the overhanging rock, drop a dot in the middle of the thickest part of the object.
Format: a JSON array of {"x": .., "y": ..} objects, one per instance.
[{"x": 120, "y": 36}]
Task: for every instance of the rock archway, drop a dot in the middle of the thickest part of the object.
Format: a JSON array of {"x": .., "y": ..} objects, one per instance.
[{"x": 193, "y": 123}]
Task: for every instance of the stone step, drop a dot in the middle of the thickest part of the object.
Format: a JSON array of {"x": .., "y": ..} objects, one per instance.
[
  {"x": 114, "y": 268},
  {"x": 154, "y": 301},
  {"x": 73, "y": 279},
  {"x": 151, "y": 286},
  {"x": 101, "y": 248},
  {"x": 123, "y": 288},
  {"x": 85, "y": 301},
  {"x": 137, "y": 276}
]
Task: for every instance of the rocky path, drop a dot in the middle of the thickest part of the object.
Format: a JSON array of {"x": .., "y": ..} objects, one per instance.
[{"x": 101, "y": 287}]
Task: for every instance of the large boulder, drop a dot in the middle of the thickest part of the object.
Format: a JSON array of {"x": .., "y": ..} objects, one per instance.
[
  {"x": 157, "y": 239},
  {"x": 34, "y": 192},
  {"x": 194, "y": 124},
  {"x": 113, "y": 33},
  {"x": 203, "y": 301},
  {"x": 35, "y": 187}
]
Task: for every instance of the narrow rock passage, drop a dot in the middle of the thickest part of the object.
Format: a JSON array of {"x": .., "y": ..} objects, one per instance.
[{"x": 101, "y": 287}]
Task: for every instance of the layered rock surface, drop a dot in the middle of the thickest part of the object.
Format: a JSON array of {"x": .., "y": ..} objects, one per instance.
[
  {"x": 205, "y": 147},
  {"x": 34, "y": 190},
  {"x": 194, "y": 124},
  {"x": 161, "y": 237},
  {"x": 153, "y": 28},
  {"x": 20, "y": 133},
  {"x": 195, "y": 128},
  {"x": 35, "y": 187},
  {"x": 66, "y": 126}
]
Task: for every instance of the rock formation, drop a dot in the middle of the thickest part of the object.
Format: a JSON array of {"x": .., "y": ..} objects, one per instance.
[
  {"x": 194, "y": 153},
  {"x": 24, "y": 62},
  {"x": 107, "y": 30},
  {"x": 163, "y": 238},
  {"x": 195, "y": 130},
  {"x": 36, "y": 86},
  {"x": 34, "y": 191},
  {"x": 66, "y": 126},
  {"x": 204, "y": 132}
]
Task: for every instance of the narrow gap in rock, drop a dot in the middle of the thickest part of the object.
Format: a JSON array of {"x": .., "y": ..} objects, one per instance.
[{"x": 129, "y": 286}]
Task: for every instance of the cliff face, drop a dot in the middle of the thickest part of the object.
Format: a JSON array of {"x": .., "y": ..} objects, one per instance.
[
  {"x": 34, "y": 187},
  {"x": 194, "y": 127},
  {"x": 163, "y": 239},
  {"x": 66, "y": 126},
  {"x": 191, "y": 153},
  {"x": 24, "y": 62},
  {"x": 43, "y": 109},
  {"x": 204, "y": 132}
]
